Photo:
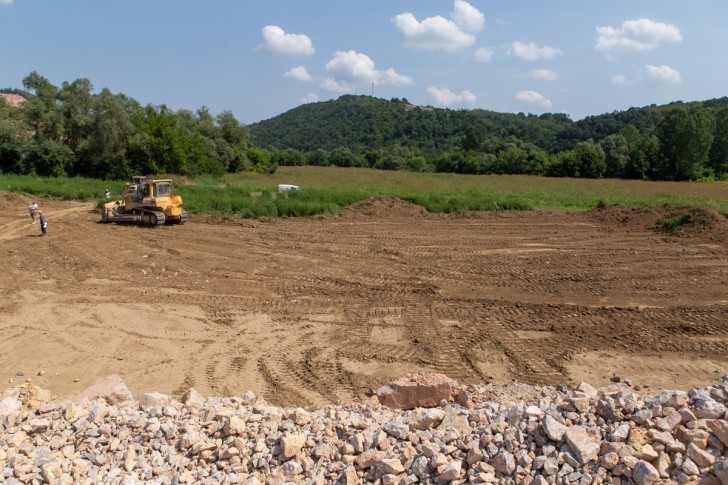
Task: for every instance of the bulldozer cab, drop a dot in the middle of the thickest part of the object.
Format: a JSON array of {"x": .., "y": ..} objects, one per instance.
[
  {"x": 138, "y": 189},
  {"x": 163, "y": 188},
  {"x": 136, "y": 192}
]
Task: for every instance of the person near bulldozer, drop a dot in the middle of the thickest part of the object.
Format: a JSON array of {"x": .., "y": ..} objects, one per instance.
[
  {"x": 43, "y": 223},
  {"x": 33, "y": 209}
]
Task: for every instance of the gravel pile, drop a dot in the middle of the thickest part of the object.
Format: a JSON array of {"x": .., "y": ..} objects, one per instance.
[{"x": 482, "y": 434}]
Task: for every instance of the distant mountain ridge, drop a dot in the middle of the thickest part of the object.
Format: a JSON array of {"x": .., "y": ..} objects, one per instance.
[{"x": 364, "y": 123}]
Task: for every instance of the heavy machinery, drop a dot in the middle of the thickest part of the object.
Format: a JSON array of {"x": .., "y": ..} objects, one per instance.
[{"x": 146, "y": 202}]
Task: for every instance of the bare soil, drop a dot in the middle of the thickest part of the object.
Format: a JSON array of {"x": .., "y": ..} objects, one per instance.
[{"x": 321, "y": 310}]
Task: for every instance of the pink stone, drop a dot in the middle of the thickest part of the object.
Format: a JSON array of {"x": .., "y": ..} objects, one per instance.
[
  {"x": 669, "y": 422},
  {"x": 416, "y": 391},
  {"x": 719, "y": 427},
  {"x": 154, "y": 399},
  {"x": 111, "y": 388}
]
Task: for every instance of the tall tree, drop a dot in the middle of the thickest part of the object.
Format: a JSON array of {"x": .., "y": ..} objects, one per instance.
[
  {"x": 41, "y": 110},
  {"x": 616, "y": 155},
  {"x": 685, "y": 141},
  {"x": 105, "y": 153},
  {"x": 76, "y": 105},
  {"x": 719, "y": 150},
  {"x": 591, "y": 159}
]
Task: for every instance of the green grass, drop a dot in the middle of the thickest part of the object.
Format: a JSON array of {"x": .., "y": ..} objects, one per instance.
[
  {"x": 327, "y": 190},
  {"x": 677, "y": 224},
  {"x": 67, "y": 188}
]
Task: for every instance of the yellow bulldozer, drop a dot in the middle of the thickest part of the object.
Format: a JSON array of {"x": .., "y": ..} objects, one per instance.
[{"x": 146, "y": 202}]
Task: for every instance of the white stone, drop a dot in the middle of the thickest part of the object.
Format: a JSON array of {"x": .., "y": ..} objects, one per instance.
[
  {"x": 291, "y": 444},
  {"x": 584, "y": 448},
  {"x": 452, "y": 471},
  {"x": 553, "y": 429}
]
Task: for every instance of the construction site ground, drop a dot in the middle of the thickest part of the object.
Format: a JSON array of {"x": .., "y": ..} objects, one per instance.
[{"x": 310, "y": 311}]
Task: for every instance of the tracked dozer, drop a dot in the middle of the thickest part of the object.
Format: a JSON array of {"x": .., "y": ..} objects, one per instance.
[{"x": 146, "y": 202}]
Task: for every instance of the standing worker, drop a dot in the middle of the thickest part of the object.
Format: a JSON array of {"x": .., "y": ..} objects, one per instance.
[
  {"x": 107, "y": 194},
  {"x": 33, "y": 209},
  {"x": 43, "y": 223}
]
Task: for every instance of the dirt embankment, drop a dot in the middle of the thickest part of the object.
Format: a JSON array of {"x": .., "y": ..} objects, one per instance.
[{"x": 320, "y": 310}]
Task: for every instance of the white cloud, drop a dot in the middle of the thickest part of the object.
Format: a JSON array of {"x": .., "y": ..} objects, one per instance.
[
  {"x": 534, "y": 98},
  {"x": 310, "y": 98},
  {"x": 484, "y": 54},
  {"x": 276, "y": 41},
  {"x": 467, "y": 17},
  {"x": 299, "y": 73},
  {"x": 544, "y": 74},
  {"x": 641, "y": 34},
  {"x": 445, "y": 97},
  {"x": 392, "y": 77},
  {"x": 651, "y": 76},
  {"x": 352, "y": 66},
  {"x": 620, "y": 80},
  {"x": 6, "y": 2},
  {"x": 335, "y": 86},
  {"x": 533, "y": 52},
  {"x": 440, "y": 33},
  {"x": 662, "y": 75}
]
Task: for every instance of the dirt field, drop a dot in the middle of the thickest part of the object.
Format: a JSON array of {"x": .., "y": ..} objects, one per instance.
[{"x": 321, "y": 310}]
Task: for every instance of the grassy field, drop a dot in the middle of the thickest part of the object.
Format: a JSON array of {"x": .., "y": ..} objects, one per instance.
[{"x": 328, "y": 189}]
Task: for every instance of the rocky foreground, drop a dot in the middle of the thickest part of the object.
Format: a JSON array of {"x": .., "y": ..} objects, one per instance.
[{"x": 419, "y": 429}]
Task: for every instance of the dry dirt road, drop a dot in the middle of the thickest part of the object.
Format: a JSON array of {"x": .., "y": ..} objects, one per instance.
[{"x": 320, "y": 310}]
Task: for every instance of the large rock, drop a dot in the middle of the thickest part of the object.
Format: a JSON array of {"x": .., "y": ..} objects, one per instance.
[
  {"x": 349, "y": 476},
  {"x": 721, "y": 470},
  {"x": 452, "y": 471},
  {"x": 111, "y": 388},
  {"x": 584, "y": 448},
  {"x": 719, "y": 427},
  {"x": 709, "y": 409},
  {"x": 193, "y": 398},
  {"x": 397, "y": 429},
  {"x": 454, "y": 419},
  {"x": 388, "y": 466},
  {"x": 645, "y": 474},
  {"x": 291, "y": 444},
  {"x": 504, "y": 463},
  {"x": 669, "y": 422},
  {"x": 701, "y": 457},
  {"x": 421, "y": 419},
  {"x": 235, "y": 426},
  {"x": 150, "y": 400},
  {"x": 416, "y": 391},
  {"x": 553, "y": 429},
  {"x": 10, "y": 405}
]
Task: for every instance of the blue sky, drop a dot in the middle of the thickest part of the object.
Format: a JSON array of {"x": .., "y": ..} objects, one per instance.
[{"x": 259, "y": 59}]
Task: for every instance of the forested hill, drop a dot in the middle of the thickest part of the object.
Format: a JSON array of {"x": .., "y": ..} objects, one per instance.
[
  {"x": 70, "y": 130},
  {"x": 364, "y": 123}
]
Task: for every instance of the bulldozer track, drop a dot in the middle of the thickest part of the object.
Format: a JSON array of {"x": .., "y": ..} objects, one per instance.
[{"x": 321, "y": 310}]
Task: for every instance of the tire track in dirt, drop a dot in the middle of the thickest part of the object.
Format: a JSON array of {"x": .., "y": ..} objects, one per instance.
[{"x": 311, "y": 311}]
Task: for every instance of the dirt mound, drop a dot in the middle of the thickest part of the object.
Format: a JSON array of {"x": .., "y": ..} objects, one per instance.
[
  {"x": 11, "y": 202},
  {"x": 694, "y": 222},
  {"x": 383, "y": 206}
]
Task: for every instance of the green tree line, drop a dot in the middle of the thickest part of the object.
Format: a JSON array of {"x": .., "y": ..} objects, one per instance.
[
  {"x": 680, "y": 141},
  {"x": 69, "y": 130}
]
